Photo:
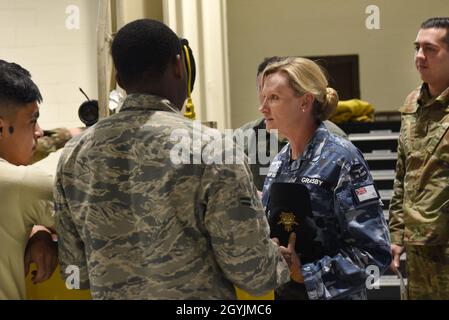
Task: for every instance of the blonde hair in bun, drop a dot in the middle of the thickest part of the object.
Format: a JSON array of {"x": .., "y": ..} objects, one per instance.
[
  {"x": 304, "y": 76},
  {"x": 329, "y": 104}
]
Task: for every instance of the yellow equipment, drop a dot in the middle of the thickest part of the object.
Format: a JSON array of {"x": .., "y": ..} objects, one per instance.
[{"x": 53, "y": 289}]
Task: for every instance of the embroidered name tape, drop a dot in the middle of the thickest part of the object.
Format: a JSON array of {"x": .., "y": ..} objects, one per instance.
[{"x": 315, "y": 181}]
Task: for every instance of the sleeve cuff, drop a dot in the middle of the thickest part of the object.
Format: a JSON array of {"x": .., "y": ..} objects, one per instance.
[{"x": 310, "y": 283}]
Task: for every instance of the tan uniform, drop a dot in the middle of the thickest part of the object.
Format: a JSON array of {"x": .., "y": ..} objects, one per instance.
[{"x": 26, "y": 200}]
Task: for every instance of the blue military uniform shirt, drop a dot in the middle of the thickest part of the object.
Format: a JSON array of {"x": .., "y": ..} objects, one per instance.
[{"x": 346, "y": 209}]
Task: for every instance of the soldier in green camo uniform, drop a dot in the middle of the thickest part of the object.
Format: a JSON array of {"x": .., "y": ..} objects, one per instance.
[
  {"x": 419, "y": 210},
  {"x": 51, "y": 141},
  {"x": 140, "y": 208}
]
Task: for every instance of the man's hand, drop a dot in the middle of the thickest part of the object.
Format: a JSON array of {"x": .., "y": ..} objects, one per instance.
[
  {"x": 42, "y": 250},
  {"x": 292, "y": 259},
  {"x": 396, "y": 252}
]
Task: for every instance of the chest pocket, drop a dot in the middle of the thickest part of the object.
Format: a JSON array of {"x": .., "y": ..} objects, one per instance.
[
  {"x": 439, "y": 141},
  {"x": 407, "y": 127}
]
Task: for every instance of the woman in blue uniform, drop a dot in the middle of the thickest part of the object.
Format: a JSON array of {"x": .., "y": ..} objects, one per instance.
[{"x": 345, "y": 205}]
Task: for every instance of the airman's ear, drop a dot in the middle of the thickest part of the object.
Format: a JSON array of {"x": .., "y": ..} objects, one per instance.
[
  {"x": 2, "y": 124},
  {"x": 118, "y": 79},
  {"x": 179, "y": 67}
]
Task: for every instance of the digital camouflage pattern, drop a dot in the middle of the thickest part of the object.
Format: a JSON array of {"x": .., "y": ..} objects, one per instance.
[
  {"x": 141, "y": 227},
  {"x": 346, "y": 210},
  {"x": 428, "y": 272},
  {"x": 420, "y": 204},
  {"x": 51, "y": 141},
  {"x": 418, "y": 210}
]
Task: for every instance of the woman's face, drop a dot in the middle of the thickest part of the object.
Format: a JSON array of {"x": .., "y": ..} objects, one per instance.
[{"x": 279, "y": 104}]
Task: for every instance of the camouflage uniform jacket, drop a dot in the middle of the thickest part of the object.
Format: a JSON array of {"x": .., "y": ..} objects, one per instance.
[
  {"x": 51, "y": 141},
  {"x": 419, "y": 210},
  {"x": 142, "y": 226},
  {"x": 346, "y": 210}
]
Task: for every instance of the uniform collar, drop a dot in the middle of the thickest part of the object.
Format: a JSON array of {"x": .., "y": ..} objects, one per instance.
[
  {"x": 6, "y": 162},
  {"x": 142, "y": 101},
  {"x": 443, "y": 99},
  {"x": 426, "y": 100},
  {"x": 421, "y": 98},
  {"x": 313, "y": 150}
]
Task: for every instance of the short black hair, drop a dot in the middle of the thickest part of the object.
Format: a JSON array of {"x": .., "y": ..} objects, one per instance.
[
  {"x": 438, "y": 23},
  {"x": 142, "y": 49},
  {"x": 16, "y": 86},
  {"x": 266, "y": 62}
]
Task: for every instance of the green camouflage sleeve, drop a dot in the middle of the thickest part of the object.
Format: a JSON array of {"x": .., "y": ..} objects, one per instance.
[
  {"x": 396, "y": 218},
  {"x": 72, "y": 256},
  {"x": 239, "y": 231},
  {"x": 50, "y": 142}
]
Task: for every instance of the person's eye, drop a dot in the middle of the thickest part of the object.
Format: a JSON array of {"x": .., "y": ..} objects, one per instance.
[{"x": 274, "y": 97}]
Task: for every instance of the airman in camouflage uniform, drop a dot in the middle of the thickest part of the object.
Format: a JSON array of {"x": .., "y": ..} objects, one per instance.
[
  {"x": 419, "y": 217},
  {"x": 141, "y": 227},
  {"x": 346, "y": 209},
  {"x": 138, "y": 223},
  {"x": 51, "y": 141}
]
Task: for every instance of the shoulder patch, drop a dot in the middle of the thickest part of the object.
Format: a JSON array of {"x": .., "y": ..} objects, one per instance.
[
  {"x": 359, "y": 172},
  {"x": 245, "y": 201},
  {"x": 366, "y": 193}
]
